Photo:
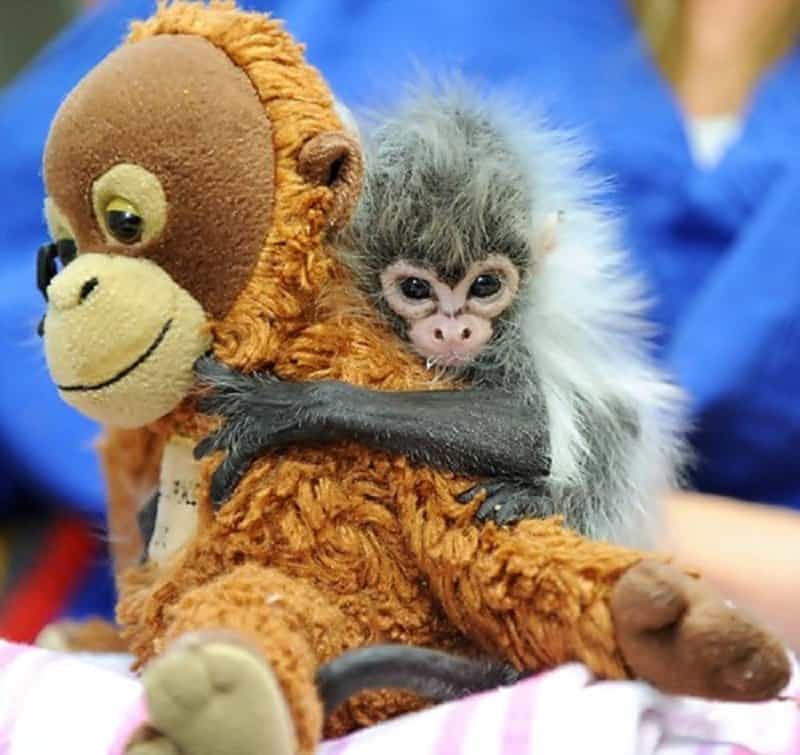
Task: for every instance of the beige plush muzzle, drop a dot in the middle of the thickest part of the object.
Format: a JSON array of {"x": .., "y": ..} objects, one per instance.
[{"x": 121, "y": 339}]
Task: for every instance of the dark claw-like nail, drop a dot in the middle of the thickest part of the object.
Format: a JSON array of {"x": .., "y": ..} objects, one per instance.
[
  {"x": 218, "y": 489},
  {"x": 505, "y": 518},
  {"x": 226, "y": 478},
  {"x": 205, "y": 447},
  {"x": 469, "y": 495}
]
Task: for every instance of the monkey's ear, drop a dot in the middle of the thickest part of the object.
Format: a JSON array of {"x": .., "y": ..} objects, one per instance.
[
  {"x": 548, "y": 236},
  {"x": 334, "y": 159}
]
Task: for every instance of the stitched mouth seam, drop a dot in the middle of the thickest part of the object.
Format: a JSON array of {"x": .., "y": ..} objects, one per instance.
[{"x": 128, "y": 370}]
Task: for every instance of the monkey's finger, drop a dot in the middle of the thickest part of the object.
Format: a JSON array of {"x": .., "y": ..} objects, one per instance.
[
  {"x": 517, "y": 506},
  {"x": 489, "y": 510},
  {"x": 509, "y": 512},
  {"x": 210, "y": 370},
  {"x": 209, "y": 445},
  {"x": 215, "y": 403},
  {"x": 468, "y": 496},
  {"x": 227, "y": 477}
]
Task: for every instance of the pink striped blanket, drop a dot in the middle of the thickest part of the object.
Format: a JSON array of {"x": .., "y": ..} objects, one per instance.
[{"x": 50, "y": 702}]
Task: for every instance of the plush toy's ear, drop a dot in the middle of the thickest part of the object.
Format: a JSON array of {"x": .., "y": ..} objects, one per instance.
[{"x": 334, "y": 159}]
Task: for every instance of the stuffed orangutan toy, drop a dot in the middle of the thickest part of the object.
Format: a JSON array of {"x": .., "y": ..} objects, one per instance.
[{"x": 194, "y": 178}]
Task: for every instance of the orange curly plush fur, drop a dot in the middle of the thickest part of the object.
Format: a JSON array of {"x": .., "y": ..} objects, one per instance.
[{"x": 325, "y": 549}]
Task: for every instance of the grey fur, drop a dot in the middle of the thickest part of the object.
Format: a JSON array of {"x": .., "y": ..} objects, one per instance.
[{"x": 441, "y": 185}]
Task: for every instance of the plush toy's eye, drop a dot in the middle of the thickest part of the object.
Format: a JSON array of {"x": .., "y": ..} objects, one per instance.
[
  {"x": 123, "y": 221},
  {"x": 63, "y": 250},
  {"x": 485, "y": 285},
  {"x": 415, "y": 288},
  {"x": 67, "y": 251}
]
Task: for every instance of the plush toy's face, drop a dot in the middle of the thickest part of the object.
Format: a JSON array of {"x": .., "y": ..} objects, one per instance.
[{"x": 159, "y": 169}]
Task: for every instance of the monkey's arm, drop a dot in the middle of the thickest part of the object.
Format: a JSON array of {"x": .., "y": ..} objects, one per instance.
[{"x": 480, "y": 432}]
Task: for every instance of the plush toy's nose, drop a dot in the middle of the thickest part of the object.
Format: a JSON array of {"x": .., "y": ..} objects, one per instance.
[{"x": 68, "y": 291}]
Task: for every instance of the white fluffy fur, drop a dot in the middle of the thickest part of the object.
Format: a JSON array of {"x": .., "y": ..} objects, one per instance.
[{"x": 585, "y": 322}]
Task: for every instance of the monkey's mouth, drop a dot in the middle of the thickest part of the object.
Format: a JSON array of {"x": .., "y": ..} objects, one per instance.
[
  {"x": 450, "y": 360},
  {"x": 138, "y": 362}
]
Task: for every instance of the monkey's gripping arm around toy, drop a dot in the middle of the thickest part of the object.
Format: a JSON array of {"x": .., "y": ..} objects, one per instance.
[
  {"x": 542, "y": 595},
  {"x": 479, "y": 432}
]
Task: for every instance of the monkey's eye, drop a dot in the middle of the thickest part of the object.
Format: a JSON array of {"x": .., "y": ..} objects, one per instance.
[
  {"x": 415, "y": 288},
  {"x": 123, "y": 221},
  {"x": 485, "y": 285}
]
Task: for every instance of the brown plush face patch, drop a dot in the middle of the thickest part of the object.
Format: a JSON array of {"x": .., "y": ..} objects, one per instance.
[
  {"x": 159, "y": 167},
  {"x": 169, "y": 131}
]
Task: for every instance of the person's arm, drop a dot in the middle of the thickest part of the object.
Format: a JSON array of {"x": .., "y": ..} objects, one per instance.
[
  {"x": 750, "y": 551},
  {"x": 736, "y": 352}
]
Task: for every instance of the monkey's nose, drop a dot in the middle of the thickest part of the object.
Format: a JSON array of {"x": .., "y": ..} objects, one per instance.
[{"x": 452, "y": 335}]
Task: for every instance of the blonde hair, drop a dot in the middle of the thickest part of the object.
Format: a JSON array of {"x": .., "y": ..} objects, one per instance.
[{"x": 662, "y": 24}]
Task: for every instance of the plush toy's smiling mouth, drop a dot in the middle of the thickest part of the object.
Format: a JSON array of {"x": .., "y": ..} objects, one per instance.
[{"x": 128, "y": 370}]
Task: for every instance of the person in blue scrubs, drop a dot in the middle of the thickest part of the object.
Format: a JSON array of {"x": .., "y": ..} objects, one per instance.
[{"x": 704, "y": 170}]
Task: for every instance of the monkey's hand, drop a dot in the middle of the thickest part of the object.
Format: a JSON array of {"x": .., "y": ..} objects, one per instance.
[
  {"x": 259, "y": 413},
  {"x": 508, "y": 501}
]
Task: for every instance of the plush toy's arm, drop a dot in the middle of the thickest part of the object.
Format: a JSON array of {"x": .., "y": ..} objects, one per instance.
[
  {"x": 538, "y": 593},
  {"x": 130, "y": 460},
  {"x": 487, "y": 433},
  {"x": 542, "y": 595}
]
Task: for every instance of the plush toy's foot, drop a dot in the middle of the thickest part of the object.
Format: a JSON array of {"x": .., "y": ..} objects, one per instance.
[
  {"x": 209, "y": 696},
  {"x": 677, "y": 634}
]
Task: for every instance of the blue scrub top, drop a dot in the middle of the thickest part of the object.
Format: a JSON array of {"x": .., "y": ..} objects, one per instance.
[{"x": 719, "y": 247}]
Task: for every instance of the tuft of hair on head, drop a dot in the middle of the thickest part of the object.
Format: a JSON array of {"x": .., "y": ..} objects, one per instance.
[
  {"x": 451, "y": 169},
  {"x": 441, "y": 184}
]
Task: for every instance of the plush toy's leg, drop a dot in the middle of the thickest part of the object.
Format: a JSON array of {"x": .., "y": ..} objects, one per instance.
[
  {"x": 251, "y": 691},
  {"x": 543, "y": 595},
  {"x": 211, "y": 695},
  {"x": 676, "y": 633}
]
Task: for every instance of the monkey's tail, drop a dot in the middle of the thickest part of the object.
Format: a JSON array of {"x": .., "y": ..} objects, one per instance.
[{"x": 432, "y": 674}]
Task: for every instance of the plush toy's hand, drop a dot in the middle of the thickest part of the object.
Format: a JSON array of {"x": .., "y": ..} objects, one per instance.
[
  {"x": 259, "y": 413},
  {"x": 508, "y": 501}
]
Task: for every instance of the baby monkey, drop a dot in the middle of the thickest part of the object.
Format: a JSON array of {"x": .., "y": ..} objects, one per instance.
[{"x": 460, "y": 242}]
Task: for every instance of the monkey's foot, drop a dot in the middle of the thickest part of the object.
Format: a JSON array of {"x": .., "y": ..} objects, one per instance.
[
  {"x": 507, "y": 501},
  {"x": 208, "y": 696},
  {"x": 680, "y": 636}
]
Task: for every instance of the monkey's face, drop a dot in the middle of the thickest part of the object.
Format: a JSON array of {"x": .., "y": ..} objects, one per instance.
[
  {"x": 159, "y": 171},
  {"x": 450, "y": 322}
]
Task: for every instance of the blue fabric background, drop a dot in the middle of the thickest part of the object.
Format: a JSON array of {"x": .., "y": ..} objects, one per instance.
[{"x": 720, "y": 248}]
